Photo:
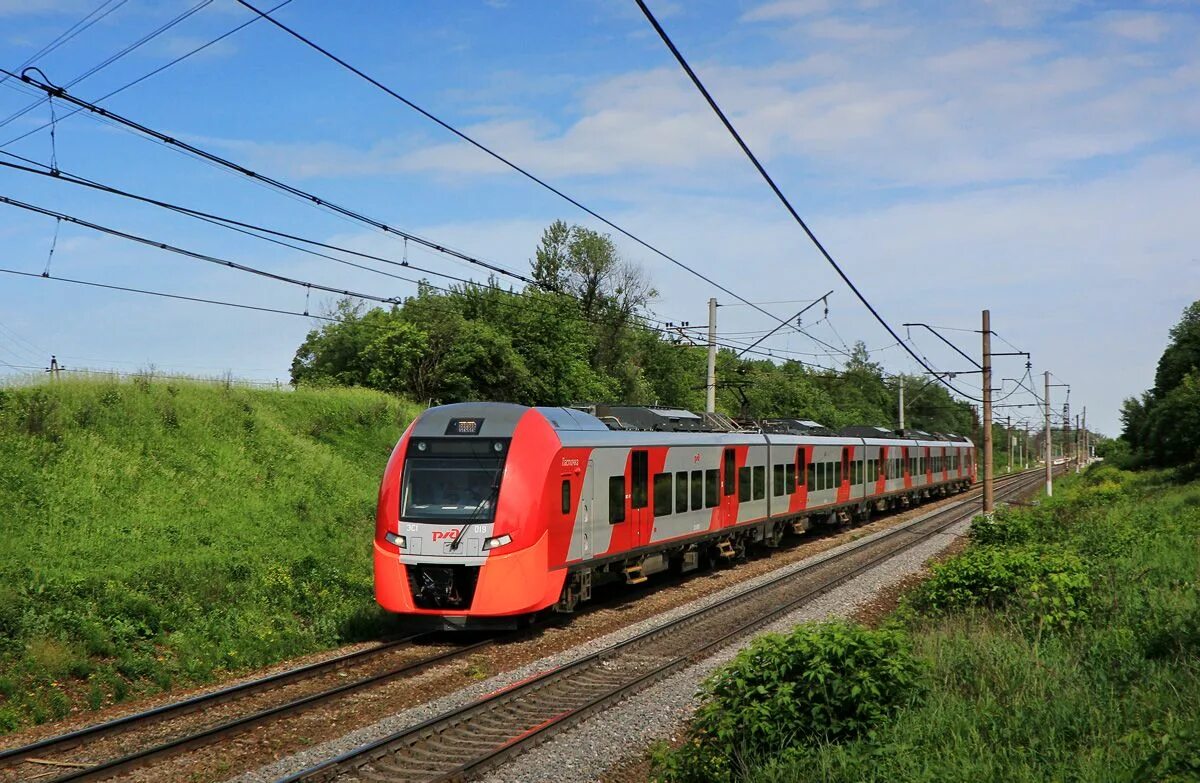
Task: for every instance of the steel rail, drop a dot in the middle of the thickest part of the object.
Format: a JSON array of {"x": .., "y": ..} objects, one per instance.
[
  {"x": 559, "y": 719},
  {"x": 569, "y": 718},
  {"x": 176, "y": 709},
  {"x": 232, "y": 727},
  {"x": 140, "y": 758}
]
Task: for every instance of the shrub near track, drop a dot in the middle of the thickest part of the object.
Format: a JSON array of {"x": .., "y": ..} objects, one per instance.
[
  {"x": 1063, "y": 645},
  {"x": 160, "y": 533}
]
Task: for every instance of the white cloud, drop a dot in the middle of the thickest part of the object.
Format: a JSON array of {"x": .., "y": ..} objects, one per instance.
[
  {"x": 1145, "y": 28},
  {"x": 850, "y": 32},
  {"x": 785, "y": 9}
]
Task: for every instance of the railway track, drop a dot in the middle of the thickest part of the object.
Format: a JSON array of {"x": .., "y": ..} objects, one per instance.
[
  {"x": 134, "y": 741},
  {"x": 478, "y": 736},
  {"x": 54, "y": 753}
]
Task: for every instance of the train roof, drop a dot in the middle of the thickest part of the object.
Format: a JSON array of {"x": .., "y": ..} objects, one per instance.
[{"x": 652, "y": 425}]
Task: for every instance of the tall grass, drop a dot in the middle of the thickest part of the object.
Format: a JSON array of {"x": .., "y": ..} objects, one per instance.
[
  {"x": 159, "y": 532},
  {"x": 1038, "y": 681}
]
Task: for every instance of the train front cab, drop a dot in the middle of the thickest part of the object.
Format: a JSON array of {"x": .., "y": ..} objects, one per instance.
[{"x": 460, "y": 534}]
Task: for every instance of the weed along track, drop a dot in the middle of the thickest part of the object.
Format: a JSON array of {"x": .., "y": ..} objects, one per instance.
[
  {"x": 134, "y": 741},
  {"x": 480, "y": 735}
]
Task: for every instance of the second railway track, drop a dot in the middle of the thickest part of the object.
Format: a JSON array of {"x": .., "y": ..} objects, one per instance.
[
  {"x": 79, "y": 756},
  {"x": 480, "y": 735}
]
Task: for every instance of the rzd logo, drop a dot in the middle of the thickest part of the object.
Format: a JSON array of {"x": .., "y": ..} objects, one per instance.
[{"x": 440, "y": 535}]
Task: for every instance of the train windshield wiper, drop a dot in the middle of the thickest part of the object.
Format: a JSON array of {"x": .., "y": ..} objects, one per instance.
[{"x": 491, "y": 497}]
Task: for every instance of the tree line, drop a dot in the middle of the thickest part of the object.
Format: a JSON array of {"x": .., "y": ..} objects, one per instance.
[
  {"x": 579, "y": 335},
  {"x": 1161, "y": 428}
]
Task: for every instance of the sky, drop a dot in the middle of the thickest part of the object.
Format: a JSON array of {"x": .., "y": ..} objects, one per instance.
[{"x": 1037, "y": 159}]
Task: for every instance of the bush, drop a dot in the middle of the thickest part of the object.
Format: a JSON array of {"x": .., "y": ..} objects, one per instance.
[
  {"x": 820, "y": 683},
  {"x": 1052, "y": 585},
  {"x": 1007, "y": 526}
]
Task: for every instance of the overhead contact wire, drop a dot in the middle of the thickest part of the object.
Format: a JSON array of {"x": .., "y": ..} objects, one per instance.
[
  {"x": 666, "y": 39},
  {"x": 62, "y": 216},
  {"x": 62, "y": 94},
  {"x": 498, "y": 157}
]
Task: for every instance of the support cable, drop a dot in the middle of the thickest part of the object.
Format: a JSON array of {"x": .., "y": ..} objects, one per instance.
[
  {"x": 500, "y": 158},
  {"x": 147, "y": 75},
  {"x": 775, "y": 188},
  {"x": 61, "y": 216},
  {"x": 109, "y": 60},
  {"x": 61, "y": 93}
]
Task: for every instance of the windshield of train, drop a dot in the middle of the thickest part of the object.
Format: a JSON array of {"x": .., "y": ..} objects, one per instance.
[{"x": 454, "y": 489}]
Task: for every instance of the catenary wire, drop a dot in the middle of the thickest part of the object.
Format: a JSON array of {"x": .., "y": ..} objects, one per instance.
[
  {"x": 774, "y": 187},
  {"x": 149, "y": 74},
  {"x": 251, "y": 229},
  {"x": 241, "y": 227},
  {"x": 112, "y": 58},
  {"x": 62, "y": 94},
  {"x": 72, "y": 31},
  {"x": 196, "y": 255},
  {"x": 500, "y": 158}
]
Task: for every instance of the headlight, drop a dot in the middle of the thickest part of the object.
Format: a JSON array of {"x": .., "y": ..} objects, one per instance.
[
  {"x": 495, "y": 541},
  {"x": 396, "y": 540}
]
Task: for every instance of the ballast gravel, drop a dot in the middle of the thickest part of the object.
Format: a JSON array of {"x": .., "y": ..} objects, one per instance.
[
  {"x": 598, "y": 744},
  {"x": 588, "y": 750}
]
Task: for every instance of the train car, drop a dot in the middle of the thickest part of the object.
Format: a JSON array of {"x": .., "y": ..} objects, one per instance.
[{"x": 491, "y": 512}]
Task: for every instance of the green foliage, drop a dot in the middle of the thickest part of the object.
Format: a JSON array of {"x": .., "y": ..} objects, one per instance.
[
  {"x": 1006, "y": 527},
  {"x": 1159, "y": 427},
  {"x": 820, "y": 683},
  {"x": 161, "y": 533},
  {"x": 578, "y": 336},
  {"x": 1052, "y": 585},
  {"x": 1109, "y": 696}
]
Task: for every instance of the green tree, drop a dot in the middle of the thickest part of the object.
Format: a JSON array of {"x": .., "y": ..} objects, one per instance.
[
  {"x": 1173, "y": 424},
  {"x": 1182, "y": 354},
  {"x": 1160, "y": 426}
]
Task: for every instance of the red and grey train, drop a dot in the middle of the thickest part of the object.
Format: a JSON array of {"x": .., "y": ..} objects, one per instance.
[{"x": 491, "y": 512}]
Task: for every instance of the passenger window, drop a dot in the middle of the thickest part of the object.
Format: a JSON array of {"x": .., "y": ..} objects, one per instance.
[
  {"x": 681, "y": 492},
  {"x": 662, "y": 494},
  {"x": 856, "y": 472},
  {"x": 616, "y": 500},
  {"x": 744, "y": 488},
  {"x": 760, "y": 482},
  {"x": 730, "y": 464},
  {"x": 812, "y": 477},
  {"x": 711, "y": 478},
  {"x": 566, "y": 496},
  {"x": 789, "y": 478},
  {"x": 779, "y": 479},
  {"x": 641, "y": 476},
  {"x": 698, "y": 489}
]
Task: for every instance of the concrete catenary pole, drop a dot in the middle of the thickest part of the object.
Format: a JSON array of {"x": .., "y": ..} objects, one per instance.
[
  {"x": 989, "y": 498},
  {"x": 1078, "y": 443},
  {"x": 1049, "y": 449},
  {"x": 1087, "y": 454},
  {"x": 1008, "y": 434},
  {"x": 901, "y": 403},
  {"x": 710, "y": 386}
]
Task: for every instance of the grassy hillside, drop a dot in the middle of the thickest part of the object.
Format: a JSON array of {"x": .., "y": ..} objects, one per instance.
[{"x": 158, "y": 532}]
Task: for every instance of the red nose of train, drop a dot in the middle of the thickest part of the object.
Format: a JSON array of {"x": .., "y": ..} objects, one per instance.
[{"x": 460, "y": 532}]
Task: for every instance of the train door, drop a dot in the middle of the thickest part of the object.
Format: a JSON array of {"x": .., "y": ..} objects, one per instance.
[
  {"x": 729, "y": 488},
  {"x": 640, "y": 498},
  {"x": 586, "y": 509},
  {"x": 844, "y": 487}
]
